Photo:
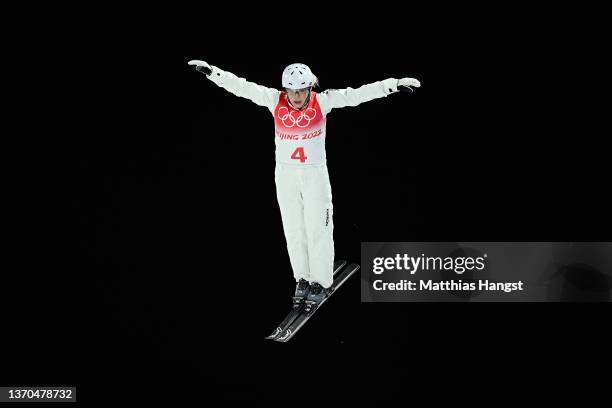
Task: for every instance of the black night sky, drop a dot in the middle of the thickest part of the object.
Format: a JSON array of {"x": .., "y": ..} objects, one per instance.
[{"x": 175, "y": 265}]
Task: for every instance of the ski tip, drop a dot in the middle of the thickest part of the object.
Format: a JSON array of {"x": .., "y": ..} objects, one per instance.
[
  {"x": 275, "y": 334},
  {"x": 285, "y": 337}
]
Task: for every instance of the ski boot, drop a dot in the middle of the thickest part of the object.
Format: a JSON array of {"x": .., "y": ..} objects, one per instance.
[
  {"x": 302, "y": 289},
  {"x": 315, "y": 296}
]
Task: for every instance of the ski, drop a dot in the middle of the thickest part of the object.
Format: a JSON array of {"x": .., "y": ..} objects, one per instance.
[
  {"x": 310, "y": 308},
  {"x": 298, "y": 305}
]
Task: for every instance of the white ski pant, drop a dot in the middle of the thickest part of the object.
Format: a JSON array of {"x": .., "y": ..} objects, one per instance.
[{"x": 305, "y": 201}]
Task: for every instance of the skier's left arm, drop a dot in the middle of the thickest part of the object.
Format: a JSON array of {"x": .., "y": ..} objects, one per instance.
[{"x": 339, "y": 98}]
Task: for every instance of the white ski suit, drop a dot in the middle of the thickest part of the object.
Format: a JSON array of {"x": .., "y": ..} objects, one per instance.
[{"x": 302, "y": 181}]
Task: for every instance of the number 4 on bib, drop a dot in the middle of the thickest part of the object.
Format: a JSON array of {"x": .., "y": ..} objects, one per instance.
[{"x": 298, "y": 154}]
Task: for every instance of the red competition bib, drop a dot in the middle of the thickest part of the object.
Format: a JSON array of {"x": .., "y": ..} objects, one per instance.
[{"x": 300, "y": 134}]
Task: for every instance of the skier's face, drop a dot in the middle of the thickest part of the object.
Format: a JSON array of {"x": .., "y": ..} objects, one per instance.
[{"x": 297, "y": 97}]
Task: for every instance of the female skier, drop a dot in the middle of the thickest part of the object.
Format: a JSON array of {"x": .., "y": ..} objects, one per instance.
[{"x": 302, "y": 181}]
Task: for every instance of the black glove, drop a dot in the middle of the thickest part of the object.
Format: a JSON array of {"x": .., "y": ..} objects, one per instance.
[{"x": 201, "y": 66}]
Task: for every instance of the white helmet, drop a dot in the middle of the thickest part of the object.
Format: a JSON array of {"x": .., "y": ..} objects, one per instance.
[{"x": 297, "y": 76}]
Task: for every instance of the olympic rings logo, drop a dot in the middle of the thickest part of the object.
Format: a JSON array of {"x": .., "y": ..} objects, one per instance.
[{"x": 295, "y": 118}]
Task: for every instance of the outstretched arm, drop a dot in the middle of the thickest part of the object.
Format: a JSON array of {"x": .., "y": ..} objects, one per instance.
[
  {"x": 339, "y": 98},
  {"x": 259, "y": 94}
]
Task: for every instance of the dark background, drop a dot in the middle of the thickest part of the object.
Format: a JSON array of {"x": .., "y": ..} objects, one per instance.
[{"x": 176, "y": 266}]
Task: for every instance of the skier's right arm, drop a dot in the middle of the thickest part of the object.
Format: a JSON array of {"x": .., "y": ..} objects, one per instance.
[{"x": 259, "y": 94}]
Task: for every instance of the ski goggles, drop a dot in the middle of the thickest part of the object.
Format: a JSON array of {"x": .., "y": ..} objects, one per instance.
[{"x": 302, "y": 91}]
